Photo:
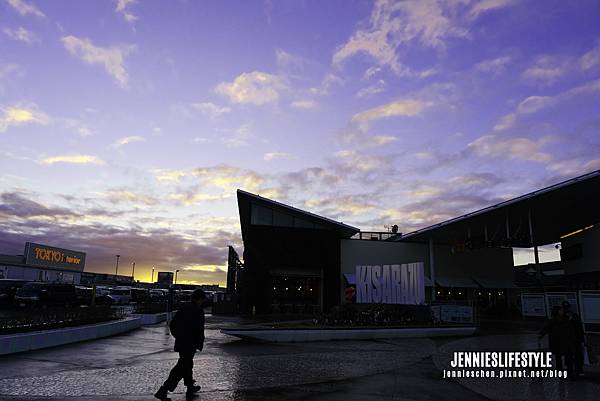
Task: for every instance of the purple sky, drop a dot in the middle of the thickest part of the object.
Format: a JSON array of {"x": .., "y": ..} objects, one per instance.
[{"x": 126, "y": 126}]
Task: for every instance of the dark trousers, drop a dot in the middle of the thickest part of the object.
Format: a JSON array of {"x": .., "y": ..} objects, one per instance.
[
  {"x": 568, "y": 355},
  {"x": 578, "y": 358},
  {"x": 182, "y": 370}
]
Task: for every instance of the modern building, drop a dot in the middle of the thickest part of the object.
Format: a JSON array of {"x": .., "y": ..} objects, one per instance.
[
  {"x": 43, "y": 263},
  {"x": 297, "y": 261}
]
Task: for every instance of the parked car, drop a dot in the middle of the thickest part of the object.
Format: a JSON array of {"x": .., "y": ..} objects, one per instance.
[
  {"x": 84, "y": 296},
  {"x": 157, "y": 295},
  {"x": 139, "y": 295},
  {"x": 8, "y": 289},
  {"x": 46, "y": 294},
  {"x": 120, "y": 295}
]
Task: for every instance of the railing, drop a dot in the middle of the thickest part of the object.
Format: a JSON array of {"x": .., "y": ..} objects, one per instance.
[{"x": 375, "y": 235}]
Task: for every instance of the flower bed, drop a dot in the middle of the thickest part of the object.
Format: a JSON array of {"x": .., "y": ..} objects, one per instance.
[{"x": 27, "y": 320}]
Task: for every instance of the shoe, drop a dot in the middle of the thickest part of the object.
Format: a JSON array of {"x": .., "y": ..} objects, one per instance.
[
  {"x": 192, "y": 390},
  {"x": 162, "y": 394}
]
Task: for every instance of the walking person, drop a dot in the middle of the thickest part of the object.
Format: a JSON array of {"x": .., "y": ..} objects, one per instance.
[
  {"x": 560, "y": 339},
  {"x": 578, "y": 337},
  {"x": 187, "y": 327}
]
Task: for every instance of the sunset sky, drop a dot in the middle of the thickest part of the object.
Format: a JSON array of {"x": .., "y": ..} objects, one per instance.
[{"x": 126, "y": 126}]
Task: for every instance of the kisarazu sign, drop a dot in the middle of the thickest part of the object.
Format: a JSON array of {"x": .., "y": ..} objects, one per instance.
[
  {"x": 49, "y": 256},
  {"x": 391, "y": 284}
]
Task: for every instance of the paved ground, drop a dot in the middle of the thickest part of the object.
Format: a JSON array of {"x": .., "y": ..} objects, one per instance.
[{"x": 132, "y": 366}]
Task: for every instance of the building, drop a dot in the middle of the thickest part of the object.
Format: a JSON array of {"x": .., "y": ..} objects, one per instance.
[
  {"x": 296, "y": 261},
  {"x": 43, "y": 263}
]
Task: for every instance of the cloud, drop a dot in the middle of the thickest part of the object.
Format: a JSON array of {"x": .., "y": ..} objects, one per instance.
[
  {"x": 210, "y": 109},
  {"x": 127, "y": 140},
  {"x": 484, "y": 6},
  {"x": 123, "y": 8},
  {"x": 591, "y": 59},
  {"x": 73, "y": 159},
  {"x": 127, "y": 196},
  {"x": 381, "y": 140},
  {"x": 393, "y": 25},
  {"x": 255, "y": 87},
  {"x": 512, "y": 148},
  {"x": 401, "y": 107},
  {"x": 25, "y": 8},
  {"x": 225, "y": 177},
  {"x": 189, "y": 199},
  {"x": 495, "y": 66},
  {"x": 21, "y": 34},
  {"x": 327, "y": 83},
  {"x": 112, "y": 58},
  {"x": 371, "y": 90},
  {"x": 277, "y": 155},
  {"x": 19, "y": 115},
  {"x": 546, "y": 70},
  {"x": 304, "y": 104}
]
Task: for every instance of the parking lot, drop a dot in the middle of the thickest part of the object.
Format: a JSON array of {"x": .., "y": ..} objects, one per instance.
[{"x": 132, "y": 366}]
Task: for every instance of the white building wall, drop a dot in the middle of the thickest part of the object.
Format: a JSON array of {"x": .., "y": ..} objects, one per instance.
[{"x": 39, "y": 274}]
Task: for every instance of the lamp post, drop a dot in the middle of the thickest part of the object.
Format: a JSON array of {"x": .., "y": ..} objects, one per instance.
[
  {"x": 133, "y": 271},
  {"x": 176, "y": 271},
  {"x": 117, "y": 268},
  {"x": 152, "y": 275}
]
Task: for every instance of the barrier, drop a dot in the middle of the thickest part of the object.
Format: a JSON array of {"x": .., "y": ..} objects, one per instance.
[{"x": 13, "y": 343}]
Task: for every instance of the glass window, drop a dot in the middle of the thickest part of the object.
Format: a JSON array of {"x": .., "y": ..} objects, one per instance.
[
  {"x": 282, "y": 219},
  {"x": 261, "y": 215}
]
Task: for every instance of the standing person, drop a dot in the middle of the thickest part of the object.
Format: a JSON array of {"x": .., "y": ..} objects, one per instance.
[
  {"x": 188, "y": 329},
  {"x": 560, "y": 339},
  {"x": 578, "y": 337}
]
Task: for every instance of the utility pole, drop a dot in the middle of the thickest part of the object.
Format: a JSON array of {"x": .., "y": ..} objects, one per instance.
[{"x": 117, "y": 268}]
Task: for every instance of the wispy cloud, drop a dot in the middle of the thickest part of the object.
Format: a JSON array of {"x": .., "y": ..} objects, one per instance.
[
  {"x": 255, "y": 87},
  {"x": 210, "y": 109},
  {"x": 127, "y": 140},
  {"x": 24, "y": 8},
  {"x": 111, "y": 58},
  {"x": 277, "y": 155},
  {"x": 19, "y": 115},
  {"x": 495, "y": 66},
  {"x": 401, "y": 107},
  {"x": 124, "y": 8},
  {"x": 73, "y": 159},
  {"x": 512, "y": 148},
  {"x": 305, "y": 104},
  {"x": 21, "y": 34}
]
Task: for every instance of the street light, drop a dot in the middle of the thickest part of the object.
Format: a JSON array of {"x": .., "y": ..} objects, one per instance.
[
  {"x": 133, "y": 271},
  {"x": 152, "y": 274},
  {"x": 176, "y": 271},
  {"x": 117, "y": 268}
]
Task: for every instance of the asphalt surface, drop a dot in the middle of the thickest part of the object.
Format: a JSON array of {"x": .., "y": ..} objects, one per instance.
[{"x": 132, "y": 367}]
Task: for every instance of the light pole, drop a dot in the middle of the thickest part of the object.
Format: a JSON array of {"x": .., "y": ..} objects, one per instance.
[
  {"x": 117, "y": 268},
  {"x": 176, "y": 271},
  {"x": 152, "y": 275},
  {"x": 133, "y": 271}
]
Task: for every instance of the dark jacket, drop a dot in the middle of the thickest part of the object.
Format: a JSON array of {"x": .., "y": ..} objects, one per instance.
[
  {"x": 560, "y": 335},
  {"x": 187, "y": 327}
]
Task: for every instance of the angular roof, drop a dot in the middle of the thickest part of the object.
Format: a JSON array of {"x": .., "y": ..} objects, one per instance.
[
  {"x": 246, "y": 198},
  {"x": 555, "y": 211}
]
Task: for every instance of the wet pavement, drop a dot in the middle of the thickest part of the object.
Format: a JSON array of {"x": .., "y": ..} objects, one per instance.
[{"x": 132, "y": 367}]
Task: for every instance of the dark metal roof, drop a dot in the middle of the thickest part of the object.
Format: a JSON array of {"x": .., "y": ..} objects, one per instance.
[
  {"x": 245, "y": 198},
  {"x": 555, "y": 211}
]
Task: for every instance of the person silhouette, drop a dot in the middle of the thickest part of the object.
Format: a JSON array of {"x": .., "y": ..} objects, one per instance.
[{"x": 187, "y": 327}]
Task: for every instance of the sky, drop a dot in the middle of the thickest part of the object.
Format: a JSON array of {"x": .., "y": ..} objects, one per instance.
[{"x": 127, "y": 126}]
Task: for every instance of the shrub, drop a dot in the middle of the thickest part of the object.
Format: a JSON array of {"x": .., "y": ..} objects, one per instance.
[{"x": 375, "y": 315}]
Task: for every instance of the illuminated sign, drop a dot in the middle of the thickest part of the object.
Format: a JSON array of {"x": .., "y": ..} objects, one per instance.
[
  {"x": 390, "y": 284},
  {"x": 165, "y": 278},
  {"x": 49, "y": 256}
]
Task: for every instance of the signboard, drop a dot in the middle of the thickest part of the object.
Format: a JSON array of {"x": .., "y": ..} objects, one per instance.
[
  {"x": 390, "y": 284},
  {"x": 165, "y": 278},
  {"x": 590, "y": 310},
  {"x": 456, "y": 313},
  {"x": 533, "y": 305},
  {"x": 52, "y": 257},
  {"x": 557, "y": 298}
]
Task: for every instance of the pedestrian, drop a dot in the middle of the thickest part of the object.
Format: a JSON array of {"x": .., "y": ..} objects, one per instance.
[
  {"x": 560, "y": 339},
  {"x": 187, "y": 327},
  {"x": 578, "y": 337}
]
